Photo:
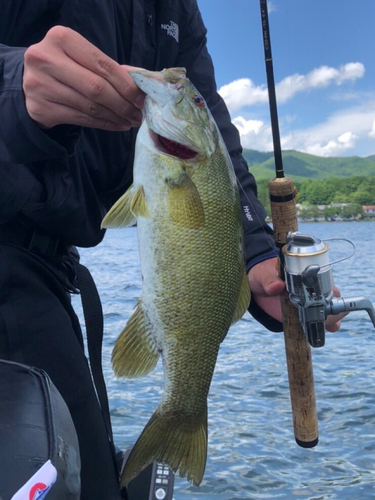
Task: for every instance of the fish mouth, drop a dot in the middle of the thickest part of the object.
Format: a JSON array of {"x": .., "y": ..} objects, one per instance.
[{"x": 173, "y": 148}]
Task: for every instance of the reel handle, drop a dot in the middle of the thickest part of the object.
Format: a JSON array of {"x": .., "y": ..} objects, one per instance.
[{"x": 341, "y": 304}]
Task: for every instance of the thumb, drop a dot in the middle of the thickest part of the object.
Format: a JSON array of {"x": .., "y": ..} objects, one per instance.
[
  {"x": 264, "y": 278},
  {"x": 275, "y": 286}
]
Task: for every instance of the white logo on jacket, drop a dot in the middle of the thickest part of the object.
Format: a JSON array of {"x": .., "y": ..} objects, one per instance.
[
  {"x": 247, "y": 211},
  {"x": 172, "y": 29}
]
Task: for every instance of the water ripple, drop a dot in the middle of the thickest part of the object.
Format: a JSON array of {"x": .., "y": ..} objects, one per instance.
[{"x": 252, "y": 454}]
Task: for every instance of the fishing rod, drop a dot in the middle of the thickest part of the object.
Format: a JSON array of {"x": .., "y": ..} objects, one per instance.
[{"x": 284, "y": 219}]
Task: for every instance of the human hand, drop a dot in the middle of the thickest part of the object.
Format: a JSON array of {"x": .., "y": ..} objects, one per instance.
[
  {"x": 333, "y": 322},
  {"x": 267, "y": 288},
  {"x": 67, "y": 80}
]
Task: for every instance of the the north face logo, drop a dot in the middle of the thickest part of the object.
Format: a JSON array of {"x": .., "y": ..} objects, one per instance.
[{"x": 172, "y": 29}]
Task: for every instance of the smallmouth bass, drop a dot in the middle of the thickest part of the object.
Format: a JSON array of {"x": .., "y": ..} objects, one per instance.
[{"x": 185, "y": 202}]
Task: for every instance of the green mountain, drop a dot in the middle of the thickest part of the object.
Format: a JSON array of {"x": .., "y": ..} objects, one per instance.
[{"x": 302, "y": 166}]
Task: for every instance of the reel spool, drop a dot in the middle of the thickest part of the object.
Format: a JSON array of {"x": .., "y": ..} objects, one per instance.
[{"x": 309, "y": 281}]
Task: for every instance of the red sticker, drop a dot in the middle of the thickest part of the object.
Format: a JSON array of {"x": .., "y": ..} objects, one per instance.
[{"x": 38, "y": 491}]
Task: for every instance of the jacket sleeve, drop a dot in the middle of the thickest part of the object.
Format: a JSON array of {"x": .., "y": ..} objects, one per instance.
[
  {"x": 22, "y": 142},
  {"x": 259, "y": 242},
  {"x": 21, "y": 139}
]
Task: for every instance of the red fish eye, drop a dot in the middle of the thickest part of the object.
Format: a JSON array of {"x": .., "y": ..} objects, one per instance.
[{"x": 198, "y": 100}]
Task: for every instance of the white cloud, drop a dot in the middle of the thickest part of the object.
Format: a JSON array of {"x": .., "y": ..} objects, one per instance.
[
  {"x": 271, "y": 7},
  {"x": 350, "y": 71},
  {"x": 246, "y": 126},
  {"x": 254, "y": 134},
  {"x": 340, "y": 96},
  {"x": 336, "y": 136},
  {"x": 244, "y": 92},
  {"x": 290, "y": 118},
  {"x": 317, "y": 78},
  {"x": 372, "y": 132},
  {"x": 334, "y": 147},
  {"x": 339, "y": 133}
]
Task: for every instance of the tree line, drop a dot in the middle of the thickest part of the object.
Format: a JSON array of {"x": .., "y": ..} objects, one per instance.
[{"x": 351, "y": 190}]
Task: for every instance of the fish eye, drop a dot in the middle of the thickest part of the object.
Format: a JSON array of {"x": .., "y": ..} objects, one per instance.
[{"x": 198, "y": 100}]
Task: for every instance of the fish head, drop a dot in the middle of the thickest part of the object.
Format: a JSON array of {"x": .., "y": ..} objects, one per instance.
[{"x": 177, "y": 115}]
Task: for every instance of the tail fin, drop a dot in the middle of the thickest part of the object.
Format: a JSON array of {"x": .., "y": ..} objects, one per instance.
[{"x": 174, "y": 441}]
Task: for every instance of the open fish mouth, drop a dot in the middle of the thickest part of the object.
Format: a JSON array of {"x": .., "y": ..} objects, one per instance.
[{"x": 173, "y": 148}]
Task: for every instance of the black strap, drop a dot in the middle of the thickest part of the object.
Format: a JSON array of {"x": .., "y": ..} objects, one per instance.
[
  {"x": 42, "y": 243},
  {"x": 36, "y": 240},
  {"x": 93, "y": 314}
]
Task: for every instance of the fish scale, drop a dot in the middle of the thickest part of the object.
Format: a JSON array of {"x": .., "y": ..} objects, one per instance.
[{"x": 192, "y": 259}]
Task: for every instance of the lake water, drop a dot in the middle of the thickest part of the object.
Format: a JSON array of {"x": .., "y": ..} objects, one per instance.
[{"x": 251, "y": 452}]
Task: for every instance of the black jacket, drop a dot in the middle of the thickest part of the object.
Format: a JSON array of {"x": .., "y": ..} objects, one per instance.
[{"x": 65, "y": 179}]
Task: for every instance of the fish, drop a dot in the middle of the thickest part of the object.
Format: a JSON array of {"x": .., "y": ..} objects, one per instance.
[{"x": 185, "y": 202}]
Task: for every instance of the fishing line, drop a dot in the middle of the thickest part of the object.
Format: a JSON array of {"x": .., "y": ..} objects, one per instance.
[
  {"x": 276, "y": 253},
  {"x": 292, "y": 138},
  {"x": 290, "y": 73}
]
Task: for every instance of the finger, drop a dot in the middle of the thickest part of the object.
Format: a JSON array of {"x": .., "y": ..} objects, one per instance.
[
  {"x": 332, "y": 325},
  {"x": 74, "y": 117},
  {"x": 333, "y": 319},
  {"x": 275, "y": 287},
  {"x": 49, "y": 58},
  {"x": 141, "y": 97},
  {"x": 264, "y": 279},
  {"x": 333, "y": 322},
  {"x": 57, "y": 103},
  {"x": 96, "y": 90},
  {"x": 95, "y": 61},
  {"x": 270, "y": 305}
]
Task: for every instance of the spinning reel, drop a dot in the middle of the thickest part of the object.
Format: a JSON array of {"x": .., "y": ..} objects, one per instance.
[{"x": 309, "y": 281}]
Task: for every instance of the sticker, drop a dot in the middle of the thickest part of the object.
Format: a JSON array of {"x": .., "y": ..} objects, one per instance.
[
  {"x": 38, "y": 486},
  {"x": 39, "y": 491}
]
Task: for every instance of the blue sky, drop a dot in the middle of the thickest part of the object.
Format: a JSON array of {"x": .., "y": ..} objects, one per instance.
[{"x": 324, "y": 65}]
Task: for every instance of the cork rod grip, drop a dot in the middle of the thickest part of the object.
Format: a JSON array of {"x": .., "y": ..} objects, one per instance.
[{"x": 297, "y": 348}]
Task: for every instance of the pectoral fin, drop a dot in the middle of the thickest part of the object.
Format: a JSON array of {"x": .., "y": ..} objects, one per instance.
[
  {"x": 243, "y": 299},
  {"x": 138, "y": 205},
  {"x": 184, "y": 203},
  {"x": 135, "y": 353},
  {"x": 125, "y": 211}
]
